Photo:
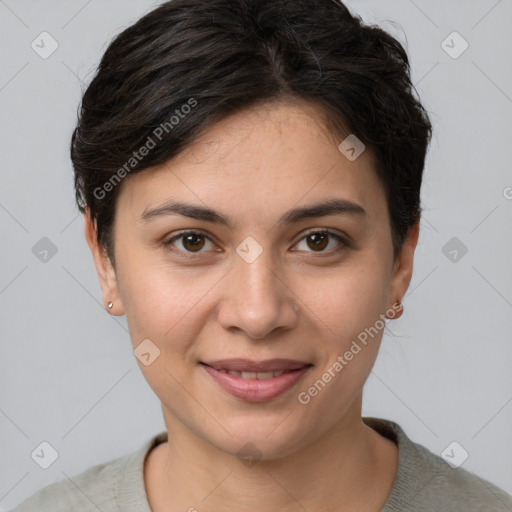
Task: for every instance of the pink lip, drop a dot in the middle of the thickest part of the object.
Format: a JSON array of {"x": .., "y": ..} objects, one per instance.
[{"x": 255, "y": 390}]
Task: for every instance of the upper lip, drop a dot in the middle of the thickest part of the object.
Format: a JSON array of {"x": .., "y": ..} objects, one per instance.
[{"x": 247, "y": 365}]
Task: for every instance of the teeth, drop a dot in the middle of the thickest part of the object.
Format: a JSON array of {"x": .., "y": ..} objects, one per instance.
[{"x": 255, "y": 375}]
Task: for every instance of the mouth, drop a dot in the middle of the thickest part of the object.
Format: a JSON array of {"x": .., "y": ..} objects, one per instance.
[
  {"x": 247, "y": 366},
  {"x": 256, "y": 381},
  {"x": 256, "y": 375}
]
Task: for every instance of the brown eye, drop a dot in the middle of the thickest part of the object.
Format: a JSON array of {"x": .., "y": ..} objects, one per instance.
[
  {"x": 319, "y": 241},
  {"x": 189, "y": 242},
  {"x": 193, "y": 242},
  {"x": 322, "y": 241}
]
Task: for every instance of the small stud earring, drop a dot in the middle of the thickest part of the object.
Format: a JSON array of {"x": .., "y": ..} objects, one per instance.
[
  {"x": 110, "y": 305},
  {"x": 398, "y": 307}
]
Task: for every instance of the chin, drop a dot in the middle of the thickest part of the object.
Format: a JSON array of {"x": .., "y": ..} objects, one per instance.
[{"x": 257, "y": 438}]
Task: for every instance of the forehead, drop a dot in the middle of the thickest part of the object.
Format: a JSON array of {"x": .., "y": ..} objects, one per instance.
[{"x": 259, "y": 161}]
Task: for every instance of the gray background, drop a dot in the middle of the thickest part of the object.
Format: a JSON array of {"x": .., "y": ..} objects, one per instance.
[{"x": 67, "y": 372}]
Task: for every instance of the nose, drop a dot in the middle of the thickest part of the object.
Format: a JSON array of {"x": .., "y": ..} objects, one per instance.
[{"x": 257, "y": 299}]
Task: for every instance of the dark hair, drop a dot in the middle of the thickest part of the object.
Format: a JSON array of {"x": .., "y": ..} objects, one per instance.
[{"x": 198, "y": 61}]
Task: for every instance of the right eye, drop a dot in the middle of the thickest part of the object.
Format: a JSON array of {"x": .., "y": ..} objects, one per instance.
[{"x": 191, "y": 242}]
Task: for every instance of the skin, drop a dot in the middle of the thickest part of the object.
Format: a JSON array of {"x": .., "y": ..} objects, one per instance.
[{"x": 294, "y": 301}]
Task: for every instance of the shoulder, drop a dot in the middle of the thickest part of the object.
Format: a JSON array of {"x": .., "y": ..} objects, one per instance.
[
  {"x": 457, "y": 487},
  {"x": 89, "y": 491},
  {"x": 426, "y": 482},
  {"x": 106, "y": 487}
]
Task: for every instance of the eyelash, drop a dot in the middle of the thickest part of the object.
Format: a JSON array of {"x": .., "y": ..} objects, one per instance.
[{"x": 190, "y": 254}]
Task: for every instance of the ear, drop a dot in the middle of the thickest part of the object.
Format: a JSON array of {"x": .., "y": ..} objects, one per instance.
[
  {"x": 104, "y": 268},
  {"x": 402, "y": 267}
]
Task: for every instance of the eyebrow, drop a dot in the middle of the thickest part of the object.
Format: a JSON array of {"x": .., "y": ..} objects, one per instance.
[{"x": 329, "y": 207}]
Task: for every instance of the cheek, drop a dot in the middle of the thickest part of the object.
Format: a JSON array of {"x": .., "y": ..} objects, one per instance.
[
  {"x": 167, "y": 307},
  {"x": 349, "y": 316},
  {"x": 165, "y": 304},
  {"x": 346, "y": 301}
]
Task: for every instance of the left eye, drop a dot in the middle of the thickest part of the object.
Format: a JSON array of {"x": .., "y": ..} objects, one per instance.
[{"x": 319, "y": 240}]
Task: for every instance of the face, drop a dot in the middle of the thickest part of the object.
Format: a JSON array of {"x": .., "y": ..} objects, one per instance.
[{"x": 247, "y": 269}]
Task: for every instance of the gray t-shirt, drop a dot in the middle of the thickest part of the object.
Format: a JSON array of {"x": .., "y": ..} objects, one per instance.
[{"x": 424, "y": 483}]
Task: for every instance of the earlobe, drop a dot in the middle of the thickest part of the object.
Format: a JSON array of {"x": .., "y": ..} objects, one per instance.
[{"x": 104, "y": 268}]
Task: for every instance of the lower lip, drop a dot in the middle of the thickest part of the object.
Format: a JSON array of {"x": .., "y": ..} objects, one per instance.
[{"x": 255, "y": 390}]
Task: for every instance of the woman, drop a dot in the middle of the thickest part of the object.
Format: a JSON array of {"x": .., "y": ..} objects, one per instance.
[{"x": 249, "y": 174}]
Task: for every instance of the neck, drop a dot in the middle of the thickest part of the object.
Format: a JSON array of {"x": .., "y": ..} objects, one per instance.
[{"x": 333, "y": 472}]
